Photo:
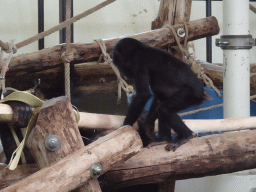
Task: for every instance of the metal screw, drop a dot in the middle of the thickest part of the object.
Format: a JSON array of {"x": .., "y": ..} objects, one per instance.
[
  {"x": 102, "y": 81},
  {"x": 52, "y": 142},
  {"x": 218, "y": 42},
  {"x": 96, "y": 170},
  {"x": 181, "y": 32}
]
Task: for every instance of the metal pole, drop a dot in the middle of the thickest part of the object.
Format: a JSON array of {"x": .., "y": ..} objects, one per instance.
[
  {"x": 209, "y": 39},
  {"x": 236, "y": 83},
  {"x": 40, "y": 23},
  {"x": 62, "y": 17}
]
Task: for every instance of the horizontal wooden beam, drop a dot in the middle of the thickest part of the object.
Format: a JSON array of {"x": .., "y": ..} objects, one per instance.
[
  {"x": 85, "y": 52},
  {"x": 205, "y": 156},
  {"x": 108, "y": 122}
]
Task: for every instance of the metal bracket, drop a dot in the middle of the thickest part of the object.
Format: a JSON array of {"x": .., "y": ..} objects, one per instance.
[{"x": 235, "y": 42}]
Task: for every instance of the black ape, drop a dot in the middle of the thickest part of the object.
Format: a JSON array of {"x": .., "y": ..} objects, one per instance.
[{"x": 173, "y": 83}]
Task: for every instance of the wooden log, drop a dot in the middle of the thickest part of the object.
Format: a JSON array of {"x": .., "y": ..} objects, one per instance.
[
  {"x": 173, "y": 12},
  {"x": 215, "y": 72},
  {"x": 102, "y": 121},
  {"x": 8, "y": 177},
  {"x": 209, "y": 155},
  {"x": 56, "y": 118},
  {"x": 89, "y": 75},
  {"x": 50, "y": 57},
  {"x": 74, "y": 169},
  {"x": 112, "y": 122}
]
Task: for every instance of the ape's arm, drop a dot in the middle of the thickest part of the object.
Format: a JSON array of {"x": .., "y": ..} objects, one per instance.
[{"x": 141, "y": 82}]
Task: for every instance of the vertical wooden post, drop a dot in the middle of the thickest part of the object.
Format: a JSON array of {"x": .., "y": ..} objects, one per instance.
[
  {"x": 172, "y": 12},
  {"x": 56, "y": 118}
]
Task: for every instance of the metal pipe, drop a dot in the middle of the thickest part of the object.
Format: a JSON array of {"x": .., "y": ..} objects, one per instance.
[{"x": 236, "y": 82}]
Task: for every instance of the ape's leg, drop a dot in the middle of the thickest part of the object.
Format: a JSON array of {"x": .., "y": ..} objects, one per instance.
[
  {"x": 167, "y": 111},
  {"x": 184, "y": 134},
  {"x": 146, "y": 127}
]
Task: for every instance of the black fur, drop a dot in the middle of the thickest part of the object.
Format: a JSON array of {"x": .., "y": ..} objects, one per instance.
[{"x": 173, "y": 83}]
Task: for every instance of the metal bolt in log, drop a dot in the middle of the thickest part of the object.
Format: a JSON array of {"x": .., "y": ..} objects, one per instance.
[
  {"x": 181, "y": 32},
  {"x": 52, "y": 143},
  {"x": 96, "y": 170}
]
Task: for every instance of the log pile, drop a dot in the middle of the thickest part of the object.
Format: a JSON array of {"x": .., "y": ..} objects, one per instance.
[
  {"x": 210, "y": 155},
  {"x": 69, "y": 167}
]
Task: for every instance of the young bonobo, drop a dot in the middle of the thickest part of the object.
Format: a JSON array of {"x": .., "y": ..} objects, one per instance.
[{"x": 173, "y": 83}]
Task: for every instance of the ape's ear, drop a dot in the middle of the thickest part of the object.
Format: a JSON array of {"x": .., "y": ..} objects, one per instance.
[{"x": 117, "y": 57}]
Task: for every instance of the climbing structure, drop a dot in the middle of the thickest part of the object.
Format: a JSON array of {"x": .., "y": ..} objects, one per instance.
[{"x": 116, "y": 160}]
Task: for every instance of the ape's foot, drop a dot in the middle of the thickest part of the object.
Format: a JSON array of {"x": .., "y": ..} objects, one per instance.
[{"x": 174, "y": 146}]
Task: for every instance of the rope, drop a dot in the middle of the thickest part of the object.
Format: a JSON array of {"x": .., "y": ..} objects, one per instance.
[
  {"x": 195, "y": 66},
  {"x": 64, "y": 24},
  {"x": 66, "y": 60},
  {"x": 8, "y": 48},
  {"x": 207, "y": 108},
  {"x": 121, "y": 82}
]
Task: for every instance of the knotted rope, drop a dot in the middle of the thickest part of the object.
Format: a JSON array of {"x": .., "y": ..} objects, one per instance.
[
  {"x": 121, "y": 82},
  {"x": 66, "y": 56},
  {"x": 8, "y": 48},
  {"x": 194, "y": 66}
]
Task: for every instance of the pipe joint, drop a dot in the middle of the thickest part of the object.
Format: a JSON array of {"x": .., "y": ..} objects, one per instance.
[{"x": 235, "y": 42}]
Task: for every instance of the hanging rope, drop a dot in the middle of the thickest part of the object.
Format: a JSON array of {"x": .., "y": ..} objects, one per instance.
[
  {"x": 121, "y": 82},
  {"x": 194, "y": 66},
  {"x": 65, "y": 56}
]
